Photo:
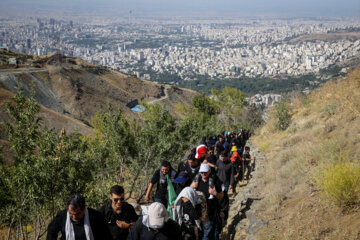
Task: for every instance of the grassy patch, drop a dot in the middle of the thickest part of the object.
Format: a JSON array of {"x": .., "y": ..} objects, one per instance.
[
  {"x": 264, "y": 146},
  {"x": 330, "y": 109},
  {"x": 43, "y": 76},
  {"x": 340, "y": 182}
]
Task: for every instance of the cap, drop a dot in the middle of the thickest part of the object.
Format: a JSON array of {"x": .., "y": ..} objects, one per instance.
[
  {"x": 181, "y": 178},
  {"x": 204, "y": 167},
  {"x": 200, "y": 150},
  {"x": 158, "y": 215}
]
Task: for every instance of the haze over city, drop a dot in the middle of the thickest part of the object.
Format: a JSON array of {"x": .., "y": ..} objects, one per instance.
[{"x": 160, "y": 8}]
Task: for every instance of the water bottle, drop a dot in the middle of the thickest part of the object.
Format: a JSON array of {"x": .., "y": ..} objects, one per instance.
[{"x": 211, "y": 185}]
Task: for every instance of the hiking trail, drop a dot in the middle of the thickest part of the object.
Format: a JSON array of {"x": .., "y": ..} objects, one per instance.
[{"x": 242, "y": 222}]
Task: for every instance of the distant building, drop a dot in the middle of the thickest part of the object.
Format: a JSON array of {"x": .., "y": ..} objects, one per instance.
[
  {"x": 12, "y": 61},
  {"x": 28, "y": 43}
]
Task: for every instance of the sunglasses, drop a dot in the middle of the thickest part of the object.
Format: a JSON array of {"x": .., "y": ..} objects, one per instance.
[{"x": 118, "y": 199}]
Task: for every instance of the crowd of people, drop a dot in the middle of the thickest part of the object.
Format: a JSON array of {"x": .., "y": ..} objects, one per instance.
[{"x": 191, "y": 203}]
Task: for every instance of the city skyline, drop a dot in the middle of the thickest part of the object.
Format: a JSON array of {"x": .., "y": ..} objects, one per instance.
[{"x": 199, "y": 8}]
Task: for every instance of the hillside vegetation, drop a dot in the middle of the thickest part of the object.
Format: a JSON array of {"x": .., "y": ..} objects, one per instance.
[{"x": 311, "y": 179}]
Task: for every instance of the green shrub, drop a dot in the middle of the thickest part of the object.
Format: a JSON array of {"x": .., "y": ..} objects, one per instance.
[
  {"x": 283, "y": 114},
  {"x": 340, "y": 182}
]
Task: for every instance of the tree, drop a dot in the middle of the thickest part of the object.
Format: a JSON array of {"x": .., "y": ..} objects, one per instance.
[
  {"x": 204, "y": 104},
  {"x": 231, "y": 102},
  {"x": 283, "y": 114},
  {"x": 46, "y": 169},
  {"x": 252, "y": 116}
]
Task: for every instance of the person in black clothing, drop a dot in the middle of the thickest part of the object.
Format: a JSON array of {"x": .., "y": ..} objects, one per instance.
[
  {"x": 160, "y": 178},
  {"x": 209, "y": 188},
  {"x": 181, "y": 182},
  {"x": 183, "y": 164},
  {"x": 187, "y": 213},
  {"x": 225, "y": 171},
  {"x": 118, "y": 214},
  {"x": 192, "y": 167},
  {"x": 211, "y": 160},
  {"x": 155, "y": 224},
  {"x": 78, "y": 222},
  {"x": 248, "y": 159},
  {"x": 219, "y": 146}
]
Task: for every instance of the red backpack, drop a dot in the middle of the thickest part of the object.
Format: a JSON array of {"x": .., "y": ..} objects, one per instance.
[{"x": 235, "y": 157}]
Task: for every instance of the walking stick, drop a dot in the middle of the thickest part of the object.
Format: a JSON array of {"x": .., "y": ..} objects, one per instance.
[{"x": 243, "y": 170}]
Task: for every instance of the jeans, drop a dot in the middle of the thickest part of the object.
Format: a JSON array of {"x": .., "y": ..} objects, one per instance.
[
  {"x": 248, "y": 167},
  {"x": 210, "y": 231}
]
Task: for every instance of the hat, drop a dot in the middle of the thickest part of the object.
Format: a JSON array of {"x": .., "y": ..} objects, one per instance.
[
  {"x": 158, "y": 215},
  {"x": 204, "y": 167},
  {"x": 181, "y": 178},
  {"x": 200, "y": 150}
]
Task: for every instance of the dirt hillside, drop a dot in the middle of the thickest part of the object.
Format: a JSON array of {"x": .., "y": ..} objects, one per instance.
[
  {"x": 285, "y": 200},
  {"x": 78, "y": 89}
]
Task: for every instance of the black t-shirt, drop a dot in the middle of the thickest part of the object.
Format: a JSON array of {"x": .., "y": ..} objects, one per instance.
[
  {"x": 161, "y": 190},
  {"x": 182, "y": 167},
  {"x": 212, "y": 159},
  {"x": 79, "y": 230},
  {"x": 191, "y": 172},
  {"x": 247, "y": 156},
  {"x": 219, "y": 147},
  {"x": 212, "y": 204},
  {"x": 127, "y": 215}
]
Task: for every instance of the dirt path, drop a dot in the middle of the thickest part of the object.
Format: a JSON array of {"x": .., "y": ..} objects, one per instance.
[
  {"x": 242, "y": 223},
  {"x": 22, "y": 70},
  {"x": 162, "y": 98}
]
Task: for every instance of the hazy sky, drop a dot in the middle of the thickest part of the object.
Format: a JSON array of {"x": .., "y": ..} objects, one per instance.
[{"x": 191, "y": 7}]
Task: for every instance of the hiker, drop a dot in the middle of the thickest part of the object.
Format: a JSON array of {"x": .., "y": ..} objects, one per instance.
[
  {"x": 78, "y": 222},
  {"x": 160, "y": 178},
  {"x": 201, "y": 152},
  {"x": 192, "y": 167},
  {"x": 225, "y": 171},
  {"x": 219, "y": 146},
  {"x": 237, "y": 163},
  {"x": 237, "y": 142},
  {"x": 187, "y": 213},
  {"x": 247, "y": 160},
  {"x": 118, "y": 214},
  {"x": 227, "y": 145},
  {"x": 212, "y": 141},
  {"x": 211, "y": 160},
  {"x": 155, "y": 224},
  {"x": 182, "y": 181},
  {"x": 211, "y": 188}
]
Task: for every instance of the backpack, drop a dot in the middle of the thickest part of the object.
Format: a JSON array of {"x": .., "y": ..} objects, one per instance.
[
  {"x": 204, "y": 216},
  {"x": 235, "y": 157}
]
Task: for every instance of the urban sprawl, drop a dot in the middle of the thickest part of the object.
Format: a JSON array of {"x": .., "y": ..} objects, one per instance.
[{"x": 217, "y": 49}]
